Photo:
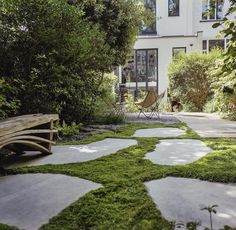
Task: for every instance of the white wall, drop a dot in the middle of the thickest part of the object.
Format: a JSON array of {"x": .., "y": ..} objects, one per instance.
[
  {"x": 164, "y": 46},
  {"x": 189, "y": 22},
  {"x": 205, "y": 26},
  {"x": 179, "y": 31},
  {"x": 177, "y": 25}
]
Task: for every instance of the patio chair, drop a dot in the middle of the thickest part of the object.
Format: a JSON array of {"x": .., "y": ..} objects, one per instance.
[
  {"x": 156, "y": 108},
  {"x": 150, "y": 103}
]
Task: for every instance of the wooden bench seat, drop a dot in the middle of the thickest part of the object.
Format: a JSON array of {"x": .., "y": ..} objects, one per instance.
[{"x": 28, "y": 133}]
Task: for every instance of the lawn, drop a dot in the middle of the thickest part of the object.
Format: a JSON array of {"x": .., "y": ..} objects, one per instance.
[{"x": 122, "y": 202}]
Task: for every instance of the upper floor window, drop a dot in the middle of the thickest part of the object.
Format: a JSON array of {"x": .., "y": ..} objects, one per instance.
[
  {"x": 212, "y": 9},
  {"x": 150, "y": 26},
  {"x": 173, "y": 8}
]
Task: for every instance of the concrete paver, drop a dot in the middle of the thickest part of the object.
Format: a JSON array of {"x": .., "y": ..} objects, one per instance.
[
  {"x": 74, "y": 153},
  {"x": 208, "y": 125},
  {"x": 181, "y": 199},
  {"x": 178, "y": 152},
  {"x": 30, "y": 200},
  {"x": 159, "y": 132}
]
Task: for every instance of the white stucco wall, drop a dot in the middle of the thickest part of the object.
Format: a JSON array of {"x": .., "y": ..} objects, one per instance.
[
  {"x": 165, "y": 46},
  {"x": 177, "y": 25},
  {"x": 179, "y": 31}
]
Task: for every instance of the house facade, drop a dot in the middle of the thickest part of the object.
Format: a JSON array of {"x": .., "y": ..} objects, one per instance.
[{"x": 180, "y": 26}]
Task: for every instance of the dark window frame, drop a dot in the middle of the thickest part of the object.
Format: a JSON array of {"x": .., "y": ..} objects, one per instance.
[
  {"x": 169, "y": 12},
  {"x": 180, "y": 47},
  {"x": 146, "y": 78},
  {"x": 154, "y": 31}
]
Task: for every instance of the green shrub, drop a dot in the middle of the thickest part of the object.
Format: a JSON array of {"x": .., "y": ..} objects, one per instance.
[
  {"x": 189, "y": 81},
  {"x": 129, "y": 104},
  {"x": 67, "y": 130},
  {"x": 55, "y": 53},
  {"x": 7, "y": 106},
  {"x": 223, "y": 86}
]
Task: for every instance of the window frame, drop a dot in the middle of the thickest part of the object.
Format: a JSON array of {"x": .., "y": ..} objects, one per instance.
[
  {"x": 175, "y": 48},
  {"x": 146, "y": 77},
  {"x": 169, "y": 12},
  {"x": 154, "y": 31},
  {"x": 209, "y": 8}
]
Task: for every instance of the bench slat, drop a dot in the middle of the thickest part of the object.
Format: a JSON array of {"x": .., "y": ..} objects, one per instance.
[
  {"x": 24, "y": 122},
  {"x": 26, "y": 137},
  {"x": 32, "y": 144},
  {"x": 29, "y": 131}
]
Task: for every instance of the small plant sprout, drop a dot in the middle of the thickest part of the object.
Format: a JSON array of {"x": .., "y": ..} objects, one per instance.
[{"x": 211, "y": 209}]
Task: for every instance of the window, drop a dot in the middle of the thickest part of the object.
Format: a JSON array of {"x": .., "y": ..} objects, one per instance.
[
  {"x": 208, "y": 45},
  {"x": 173, "y": 8},
  {"x": 128, "y": 70},
  {"x": 216, "y": 44},
  {"x": 146, "y": 67},
  {"x": 204, "y": 46},
  {"x": 177, "y": 50},
  {"x": 141, "y": 69},
  {"x": 212, "y": 9},
  {"x": 150, "y": 28}
]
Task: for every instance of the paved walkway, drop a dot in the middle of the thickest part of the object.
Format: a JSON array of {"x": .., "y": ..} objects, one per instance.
[
  {"x": 66, "y": 154},
  {"x": 178, "y": 152},
  {"x": 208, "y": 125},
  {"x": 181, "y": 199},
  {"x": 30, "y": 200}
]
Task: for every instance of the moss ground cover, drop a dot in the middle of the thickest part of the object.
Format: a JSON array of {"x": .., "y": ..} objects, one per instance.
[{"x": 122, "y": 202}]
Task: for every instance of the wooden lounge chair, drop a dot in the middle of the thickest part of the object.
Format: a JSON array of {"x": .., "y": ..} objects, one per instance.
[{"x": 150, "y": 103}]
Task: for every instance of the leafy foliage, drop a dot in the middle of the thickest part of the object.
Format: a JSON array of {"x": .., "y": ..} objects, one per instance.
[
  {"x": 223, "y": 86},
  {"x": 7, "y": 105},
  {"x": 189, "y": 81},
  {"x": 54, "y": 54},
  {"x": 223, "y": 76},
  {"x": 64, "y": 129}
]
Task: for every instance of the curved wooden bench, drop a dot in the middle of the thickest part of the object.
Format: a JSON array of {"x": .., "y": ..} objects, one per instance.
[{"x": 28, "y": 133}]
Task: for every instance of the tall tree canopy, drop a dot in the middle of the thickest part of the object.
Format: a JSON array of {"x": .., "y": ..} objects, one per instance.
[{"x": 54, "y": 52}]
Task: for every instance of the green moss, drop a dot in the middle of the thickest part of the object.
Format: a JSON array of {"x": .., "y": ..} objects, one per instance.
[
  {"x": 6, "y": 227},
  {"x": 122, "y": 202}
]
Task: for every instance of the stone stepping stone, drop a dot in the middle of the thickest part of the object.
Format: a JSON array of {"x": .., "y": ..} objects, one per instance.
[
  {"x": 74, "y": 153},
  {"x": 181, "y": 199},
  {"x": 30, "y": 200},
  {"x": 159, "y": 132},
  {"x": 178, "y": 152}
]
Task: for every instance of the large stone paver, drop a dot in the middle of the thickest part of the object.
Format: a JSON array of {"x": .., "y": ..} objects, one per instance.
[
  {"x": 74, "y": 153},
  {"x": 181, "y": 199},
  {"x": 159, "y": 132},
  {"x": 208, "y": 125},
  {"x": 30, "y": 200},
  {"x": 178, "y": 152}
]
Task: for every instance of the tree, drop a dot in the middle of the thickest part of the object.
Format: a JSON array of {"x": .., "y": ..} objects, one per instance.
[
  {"x": 223, "y": 76},
  {"x": 54, "y": 54},
  {"x": 120, "y": 20},
  {"x": 188, "y": 78},
  {"x": 229, "y": 32}
]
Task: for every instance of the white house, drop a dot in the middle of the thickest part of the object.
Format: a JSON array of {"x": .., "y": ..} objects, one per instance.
[{"x": 180, "y": 26}]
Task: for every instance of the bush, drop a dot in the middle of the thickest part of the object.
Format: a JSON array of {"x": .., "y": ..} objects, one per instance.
[
  {"x": 7, "y": 106},
  {"x": 223, "y": 86},
  {"x": 188, "y": 79},
  {"x": 67, "y": 130},
  {"x": 105, "y": 105},
  {"x": 55, "y": 53}
]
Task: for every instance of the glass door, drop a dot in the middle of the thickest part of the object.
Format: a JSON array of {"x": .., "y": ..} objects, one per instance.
[{"x": 146, "y": 69}]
